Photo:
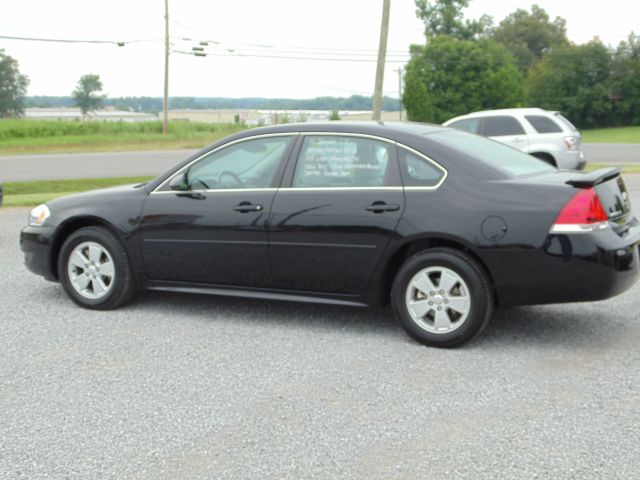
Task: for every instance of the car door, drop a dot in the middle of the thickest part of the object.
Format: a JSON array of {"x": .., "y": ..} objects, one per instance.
[
  {"x": 506, "y": 129},
  {"x": 331, "y": 221},
  {"x": 207, "y": 223}
]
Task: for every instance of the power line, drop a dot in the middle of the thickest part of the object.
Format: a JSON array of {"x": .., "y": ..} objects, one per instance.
[
  {"x": 257, "y": 50},
  {"x": 67, "y": 40},
  {"x": 343, "y": 53},
  {"x": 282, "y": 57}
]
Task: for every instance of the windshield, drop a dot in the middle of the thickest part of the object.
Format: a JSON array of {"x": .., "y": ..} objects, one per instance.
[{"x": 493, "y": 153}]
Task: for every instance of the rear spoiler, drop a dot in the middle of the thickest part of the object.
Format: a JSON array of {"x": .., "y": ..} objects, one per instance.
[{"x": 592, "y": 179}]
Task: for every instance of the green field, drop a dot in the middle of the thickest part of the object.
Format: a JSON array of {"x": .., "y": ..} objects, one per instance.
[
  {"x": 44, "y": 136},
  {"x": 24, "y": 194},
  {"x": 626, "y": 169},
  {"x": 612, "y": 135}
]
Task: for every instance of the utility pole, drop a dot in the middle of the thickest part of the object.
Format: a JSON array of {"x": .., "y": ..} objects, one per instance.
[
  {"x": 382, "y": 52},
  {"x": 165, "y": 101},
  {"x": 400, "y": 90}
]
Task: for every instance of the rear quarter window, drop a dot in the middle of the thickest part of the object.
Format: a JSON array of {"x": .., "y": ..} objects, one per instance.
[
  {"x": 417, "y": 171},
  {"x": 543, "y": 124},
  {"x": 565, "y": 122}
]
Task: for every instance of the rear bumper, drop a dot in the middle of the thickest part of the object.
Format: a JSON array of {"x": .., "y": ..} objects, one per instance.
[
  {"x": 35, "y": 243},
  {"x": 571, "y": 268},
  {"x": 570, "y": 160}
]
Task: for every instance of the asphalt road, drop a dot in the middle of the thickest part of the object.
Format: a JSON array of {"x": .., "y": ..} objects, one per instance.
[
  {"x": 183, "y": 386},
  {"x": 611, "y": 152},
  {"x": 16, "y": 168},
  {"x": 119, "y": 164}
]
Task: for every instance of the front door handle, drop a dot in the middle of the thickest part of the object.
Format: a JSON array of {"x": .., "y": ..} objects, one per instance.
[
  {"x": 245, "y": 207},
  {"x": 379, "y": 207}
]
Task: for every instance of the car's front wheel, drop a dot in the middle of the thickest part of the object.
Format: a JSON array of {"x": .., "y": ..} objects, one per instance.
[
  {"x": 94, "y": 269},
  {"x": 442, "y": 297}
]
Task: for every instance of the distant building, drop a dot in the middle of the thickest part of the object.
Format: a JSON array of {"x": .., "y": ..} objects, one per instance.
[
  {"x": 106, "y": 115},
  {"x": 246, "y": 116},
  {"x": 270, "y": 117}
]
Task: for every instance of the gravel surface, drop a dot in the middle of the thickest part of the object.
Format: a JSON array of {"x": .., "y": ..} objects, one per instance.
[{"x": 181, "y": 386}]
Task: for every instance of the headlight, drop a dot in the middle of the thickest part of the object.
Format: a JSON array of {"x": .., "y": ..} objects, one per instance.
[{"x": 39, "y": 215}]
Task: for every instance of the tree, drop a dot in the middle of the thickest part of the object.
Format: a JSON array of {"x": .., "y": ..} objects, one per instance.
[
  {"x": 13, "y": 87},
  {"x": 625, "y": 82},
  {"x": 450, "y": 77},
  {"x": 574, "y": 79},
  {"x": 86, "y": 93},
  {"x": 444, "y": 17},
  {"x": 529, "y": 35}
]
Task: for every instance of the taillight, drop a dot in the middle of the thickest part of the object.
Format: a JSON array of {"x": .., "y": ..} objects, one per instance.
[
  {"x": 583, "y": 213},
  {"x": 571, "y": 143}
]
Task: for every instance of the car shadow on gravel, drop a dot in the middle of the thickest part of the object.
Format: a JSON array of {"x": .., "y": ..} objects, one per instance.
[
  {"x": 282, "y": 312},
  {"x": 551, "y": 326},
  {"x": 569, "y": 325}
]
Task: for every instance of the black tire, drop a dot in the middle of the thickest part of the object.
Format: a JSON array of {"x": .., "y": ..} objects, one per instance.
[
  {"x": 478, "y": 291},
  {"x": 545, "y": 157},
  {"x": 122, "y": 288}
]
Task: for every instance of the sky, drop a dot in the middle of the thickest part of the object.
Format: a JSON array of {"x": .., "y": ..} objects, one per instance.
[{"x": 244, "y": 29}]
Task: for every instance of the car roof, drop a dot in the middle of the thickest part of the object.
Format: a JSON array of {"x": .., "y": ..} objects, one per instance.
[
  {"x": 390, "y": 130},
  {"x": 504, "y": 111}
]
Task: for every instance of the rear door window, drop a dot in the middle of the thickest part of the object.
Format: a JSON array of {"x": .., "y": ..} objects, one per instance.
[
  {"x": 501, "y": 126},
  {"x": 342, "y": 161},
  {"x": 543, "y": 124}
]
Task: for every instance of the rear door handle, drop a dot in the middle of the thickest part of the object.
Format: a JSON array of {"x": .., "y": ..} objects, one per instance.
[
  {"x": 245, "y": 207},
  {"x": 379, "y": 207}
]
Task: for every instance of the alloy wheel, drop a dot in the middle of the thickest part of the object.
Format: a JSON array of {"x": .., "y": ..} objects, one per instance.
[
  {"x": 91, "y": 270},
  {"x": 438, "y": 300}
]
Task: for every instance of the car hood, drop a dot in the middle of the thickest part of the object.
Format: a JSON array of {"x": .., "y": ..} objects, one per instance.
[{"x": 98, "y": 196}]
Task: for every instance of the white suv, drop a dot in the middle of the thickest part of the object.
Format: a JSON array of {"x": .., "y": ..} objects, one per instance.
[{"x": 543, "y": 134}]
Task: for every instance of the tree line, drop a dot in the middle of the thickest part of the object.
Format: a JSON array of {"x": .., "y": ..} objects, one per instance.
[
  {"x": 154, "y": 104},
  {"x": 524, "y": 61}
]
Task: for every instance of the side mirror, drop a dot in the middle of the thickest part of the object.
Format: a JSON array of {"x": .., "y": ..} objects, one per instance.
[{"x": 179, "y": 182}]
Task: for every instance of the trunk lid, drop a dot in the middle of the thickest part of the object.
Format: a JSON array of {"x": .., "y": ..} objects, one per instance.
[
  {"x": 612, "y": 191},
  {"x": 608, "y": 185}
]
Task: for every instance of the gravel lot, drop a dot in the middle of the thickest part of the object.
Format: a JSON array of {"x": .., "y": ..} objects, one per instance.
[{"x": 178, "y": 386}]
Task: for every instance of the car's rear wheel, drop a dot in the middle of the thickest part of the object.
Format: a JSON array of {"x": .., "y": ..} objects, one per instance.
[
  {"x": 94, "y": 270},
  {"x": 545, "y": 157},
  {"x": 442, "y": 297}
]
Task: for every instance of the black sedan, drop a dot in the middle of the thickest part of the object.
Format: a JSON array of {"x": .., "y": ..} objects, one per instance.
[{"x": 443, "y": 224}]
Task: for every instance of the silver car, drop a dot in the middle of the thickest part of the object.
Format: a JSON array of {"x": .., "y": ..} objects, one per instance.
[{"x": 541, "y": 133}]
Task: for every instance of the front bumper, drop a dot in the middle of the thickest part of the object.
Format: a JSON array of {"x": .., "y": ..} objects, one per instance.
[{"x": 35, "y": 243}]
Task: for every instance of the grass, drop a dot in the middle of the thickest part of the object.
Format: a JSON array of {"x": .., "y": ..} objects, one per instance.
[
  {"x": 25, "y": 194},
  {"x": 45, "y": 136},
  {"x": 627, "y": 169},
  {"x": 612, "y": 135}
]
